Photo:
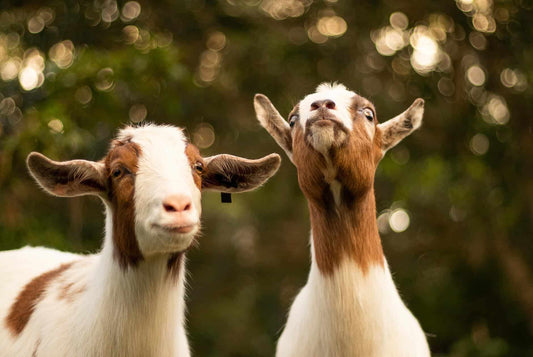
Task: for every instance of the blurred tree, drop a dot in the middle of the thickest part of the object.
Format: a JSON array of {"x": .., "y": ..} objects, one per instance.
[{"x": 455, "y": 200}]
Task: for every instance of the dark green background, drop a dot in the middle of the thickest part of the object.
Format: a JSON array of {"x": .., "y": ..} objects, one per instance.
[{"x": 463, "y": 266}]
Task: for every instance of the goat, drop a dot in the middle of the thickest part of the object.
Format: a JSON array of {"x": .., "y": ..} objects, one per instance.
[
  {"x": 350, "y": 305},
  {"x": 127, "y": 300}
]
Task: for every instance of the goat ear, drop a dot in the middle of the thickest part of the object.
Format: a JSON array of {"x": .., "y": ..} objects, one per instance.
[
  {"x": 397, "y": 128},
  {"x": 228, "y": 173},
  {"x": 68, "y": 178},
  {"x": 273, "y": 122}
]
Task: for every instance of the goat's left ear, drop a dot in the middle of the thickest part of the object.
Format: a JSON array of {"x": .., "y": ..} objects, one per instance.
[
  {"x": 397, "y": 128},
  {"x": 228, "y": 173}
]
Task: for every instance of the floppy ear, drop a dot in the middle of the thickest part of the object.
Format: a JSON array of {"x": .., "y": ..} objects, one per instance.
[
  {"x": 273, "y": 122},
  {"x": 228, "y": 173},
  {"x": 68, "y": 178},
  {"x": 397, "y": 128}
]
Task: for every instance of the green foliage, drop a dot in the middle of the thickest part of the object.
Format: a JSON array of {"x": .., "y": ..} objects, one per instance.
[{"x": 73, "y": 72}]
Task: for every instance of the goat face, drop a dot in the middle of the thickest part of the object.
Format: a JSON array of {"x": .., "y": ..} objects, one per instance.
[
  {"x": 151, "y": 180},
  {"x": 333, "y": 136}
]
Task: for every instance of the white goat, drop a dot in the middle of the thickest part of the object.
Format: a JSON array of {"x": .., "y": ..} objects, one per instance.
[
  {"x": 349, "y": 306},
  {"x": 128, "y": 300}
]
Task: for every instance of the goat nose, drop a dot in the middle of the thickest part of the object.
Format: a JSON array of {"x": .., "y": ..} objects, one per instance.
[
  {"x": 177, "y": 203},
  {"x": 328, "y": 103}
]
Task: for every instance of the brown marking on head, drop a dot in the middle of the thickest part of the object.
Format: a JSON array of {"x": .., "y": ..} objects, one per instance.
[
  {"x": 121, "y": 167},
  {"x": 174, "y": 263},
  {"x": 197, "y": 164},
  {"x": 23, "y": 307}
]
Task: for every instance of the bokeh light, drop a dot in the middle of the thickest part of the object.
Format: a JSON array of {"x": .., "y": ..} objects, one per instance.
[
  {"x": 138, "y": 113},
  {"x": 62, "y": 53},
  {"x": 109, "y": 11},
  {"x": 389, "y": 40},
  {"x": 31, "y": 75},
  {"x": 399, "y": 20},
  {"x": 83, "y": 95},
  {"x": 495, "y": 110},
  {"x": 131, "y": 34},
  {"x": 56, "y": 126},
  {"x": 282, "y": 9},
  {"x": 105, "y": 80},
  {"x": 479, "y": 144},
  {"x": 130, "y": 11},
  {"x": 203, "y": 135},
  {"x": 476, "y": 75},
  {"x": 216, "y": 41},
  {"x": 332, "y": 26},
  {"x": 426, "y": 52},
  {"x": 399, "y": 220},
  {"x": 514, "y": 78},
  {"x": 9, "y": 70}
]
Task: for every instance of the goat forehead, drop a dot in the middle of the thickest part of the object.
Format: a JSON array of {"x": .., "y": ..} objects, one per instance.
[{"x": 163, "y": 149}]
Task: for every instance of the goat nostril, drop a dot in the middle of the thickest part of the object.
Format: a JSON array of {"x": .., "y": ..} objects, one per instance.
[
  {"x": 169, "y": 207},
  {"x": 177, "y": 203},
  {"x": 330, "y": 104}
]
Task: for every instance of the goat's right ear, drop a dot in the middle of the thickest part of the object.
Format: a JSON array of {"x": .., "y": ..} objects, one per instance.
[
  {"x": 273, "y": 122},
  {"x": 68, "y": 178}
]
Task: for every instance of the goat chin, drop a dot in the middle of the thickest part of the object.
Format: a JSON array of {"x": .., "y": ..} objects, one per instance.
[{"x": 323, "y": 138}]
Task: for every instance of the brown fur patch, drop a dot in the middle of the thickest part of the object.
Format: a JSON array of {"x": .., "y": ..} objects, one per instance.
[
  {"x": 348, "y": 230},
  {"x": 123, "y": 156},
  {"x": 193, "y": 154},
  {"x": 23, "y": 307},
  {"x": 174, "y": 265}
]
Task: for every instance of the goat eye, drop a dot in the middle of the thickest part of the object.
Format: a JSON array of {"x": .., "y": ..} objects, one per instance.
[
  {"x": 292, "y": 119},
  {"x": 199, "y": 167},
  {"x": 368, "y": 113}
]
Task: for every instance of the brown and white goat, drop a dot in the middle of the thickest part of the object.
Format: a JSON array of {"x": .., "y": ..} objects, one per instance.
[
  {"x": 128, "y": 300},
  {"x": 350, "y": 305}
]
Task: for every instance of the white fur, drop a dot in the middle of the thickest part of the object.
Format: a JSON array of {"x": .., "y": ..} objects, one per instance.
[
  {"x": 351, "y": 314},
  {"x": 338, "y": 94},
  {"x": 134, "y": 312},
  {"x": 161, "y": 174}
]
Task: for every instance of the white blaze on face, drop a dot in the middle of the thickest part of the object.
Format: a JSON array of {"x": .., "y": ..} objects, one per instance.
[
  {"x": 337, "y": 93},
  {"x": 164, "y": 175}
]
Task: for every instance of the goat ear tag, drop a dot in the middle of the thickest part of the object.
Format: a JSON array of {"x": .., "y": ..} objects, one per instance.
[{"x": 225, "y": 197}]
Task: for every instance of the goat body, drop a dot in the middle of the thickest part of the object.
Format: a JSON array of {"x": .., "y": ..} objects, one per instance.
[
  {"x": 350, "y": 305},
  {"x": 127, "y": 300}
]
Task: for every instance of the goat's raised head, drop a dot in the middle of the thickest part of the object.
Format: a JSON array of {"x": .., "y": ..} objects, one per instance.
[
  {"x": 151, "y": 181},
  {"x": 333, "y": 135}
]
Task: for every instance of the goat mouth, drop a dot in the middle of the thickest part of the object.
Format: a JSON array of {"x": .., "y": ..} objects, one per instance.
[
  {"x": 324, "y": 121},
  {"x": 174, "y": 228}
]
